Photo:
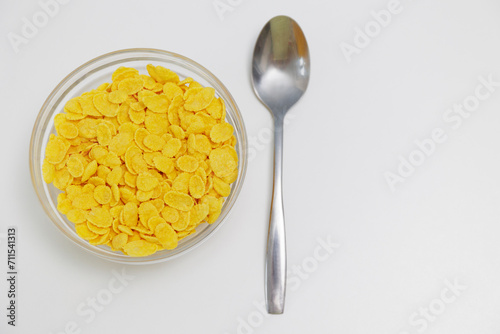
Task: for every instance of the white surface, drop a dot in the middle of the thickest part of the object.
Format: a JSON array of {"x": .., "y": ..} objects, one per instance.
[{"x": 397, "y": 249}]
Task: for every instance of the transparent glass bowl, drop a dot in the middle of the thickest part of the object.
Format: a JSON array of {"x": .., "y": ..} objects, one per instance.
[{"x": 89, "y": 76}]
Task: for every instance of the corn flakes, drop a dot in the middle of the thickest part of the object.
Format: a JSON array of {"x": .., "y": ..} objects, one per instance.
[{"x": 142, "y": 161}]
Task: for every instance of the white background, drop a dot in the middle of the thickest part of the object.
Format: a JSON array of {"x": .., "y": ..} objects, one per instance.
[{"x": 397, "y": 248}]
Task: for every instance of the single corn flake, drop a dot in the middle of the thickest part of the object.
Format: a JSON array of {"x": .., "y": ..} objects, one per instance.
[
  {"x": 146, "y": 182},
  {"x": 182, "y": 223},
  {"x": 178, "y": 200},
  {"x": 221, "y": 132},
  {"x": 56, "y": 150},
  {"x": 100, "y": 217},
  {"x": 221, "y": 187},
  {"x": 117, "y": 97},
  {"x": 171, "y": 90},
  {"x": 146, "y": 211},
  {"x": 164, "y": 164},
  {"x": 198, "y": 98},
  {"x": 75, "y": 166},
  {"x": 106, "y": 108},
  {"x": 172, "y": 147},
  {"x": 83, "y": 231},
  {"x": 154, "y": 221},
  {"x": 131, "y": 86},
  {"x": 153, "y": 142},
  {"x": 157, "y": 103},
  {"x": 196, "y": 186},
  {"x": 130, "y": 214},
  {"x": 187, "y": 163},
  {"x": 181, "y": 182},
  {"x": 222, "y": 162},
  {"x": 102, "y": 194},
  {"x": 166, "y": 236},
  {"x": 67, "y": 130},
  {"x": 48, "y": 171},
  {"x": 104, "y": 134},
  {"x": 170, "y": 215},
  {"x": 162, "y": 74},
  {"x": 119, "y": 240},
  {"x": 139, "y": 248}
]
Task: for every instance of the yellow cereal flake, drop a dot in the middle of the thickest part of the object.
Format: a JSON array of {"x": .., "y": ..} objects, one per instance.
[
  {"x": 181, "y": 182},
  {"x": 171, "y": 90},
  {"x": 73, "y": 106},
  {"x": 163, "y": 164},
  {"x": 196, "y": 186},
  {"x": 64, "y": 205},
  {"x": 153, "y": 142},
  {"x": 120, "y": 143},
  {"x": 146, "y": 211},
  {"x": 117, "y": 96},
  {"x": 215, "y": 108},
  {"x": 130, "y": 179},
  {"x": 48, "y": 171},
  {"x": 67, "y": 130},
  {"x": 62, "y": 179},
  {"x": 119, "y": 240},
  {"x": 141, "y": 161},
  {"x": 146, "y": 182},
  {"x": 87, "y": 104},
  {"x": 125, "y": 229},
  {"x": 198, "y": 98},
  {"x": 100, "y": 217},
  {"x": 123, "y": 72},
  {"x": 56, "y": 150},
  {"x": 156, "y": 124},
  {"x": 162, "y": 74},
  {"x": 100, "y": 240},
  {"x": 114, "y": 176},
  {"x": 76, "y": 216},
  {"x": 102, "y": 194},
  {"x": 178, "y": 200},
  {"x": 170, "y": 215},
  {"x": 106, "y": 108},
  {"x": 84, "y": 201},
  {"x": 182, "y": 223},
  {"x": 97, "y": 229},
  {"x": 221, "y": 132},
  {"x": 139, "y": 248},
  {"x": 139, "y": 136},
  {"x": 187, "y": 163},
  {"x": 172, "y": 147},
  {"x": 75, "y": 166},
  {"x": 166, "y": 235},
  {"x": 222, "y": 162},
  {"x": 198, "y": 213},
  {"x": 83, "y": 231},
  {"x": 137, "y": 116},
  {"x": 138, "y": 164},
  {"x": 131, "y": 85},
  {"x": 104, "y": 134},
  {"x": 157, "y": 103},
  {"x": 130, "y": 214},
  {"x": 154, "y": 221},
  {"x": 221, "y": 187}
]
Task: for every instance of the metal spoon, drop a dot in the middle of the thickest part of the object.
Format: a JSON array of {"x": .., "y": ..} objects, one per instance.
[{"x": 280, "y": 74}]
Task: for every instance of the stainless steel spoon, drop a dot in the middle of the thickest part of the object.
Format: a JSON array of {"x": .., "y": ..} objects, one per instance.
[{"x": 280, "y": 74}]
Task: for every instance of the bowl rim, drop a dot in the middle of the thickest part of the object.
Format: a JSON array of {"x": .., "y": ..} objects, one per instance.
[{"x": 122, "y": 258}]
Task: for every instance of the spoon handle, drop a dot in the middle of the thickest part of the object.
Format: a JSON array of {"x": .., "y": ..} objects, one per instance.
[{"x": 276, "y": 249}]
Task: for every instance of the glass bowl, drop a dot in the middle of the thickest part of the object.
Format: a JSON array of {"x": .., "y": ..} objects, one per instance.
[{"x": 89, "y": 76}]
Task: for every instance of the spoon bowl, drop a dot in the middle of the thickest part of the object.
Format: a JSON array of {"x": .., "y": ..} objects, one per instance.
[
  {"x": 280, "y": 75},
  {"x": 280, "y": 64}
]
